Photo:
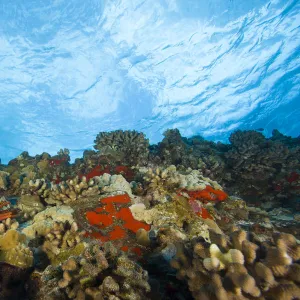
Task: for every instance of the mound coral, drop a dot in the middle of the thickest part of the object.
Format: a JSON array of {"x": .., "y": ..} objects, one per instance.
[
  {"x": 44, "y": 221},
  {"x": 13, "y": 249}
]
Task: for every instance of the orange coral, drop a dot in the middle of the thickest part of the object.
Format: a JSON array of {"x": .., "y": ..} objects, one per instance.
[
  {"x": 208, "y": 194},
  {"x": 115, "y": 221}
]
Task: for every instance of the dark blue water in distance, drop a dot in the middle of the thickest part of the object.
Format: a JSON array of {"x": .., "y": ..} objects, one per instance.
[{"x": 69, "y": 69}]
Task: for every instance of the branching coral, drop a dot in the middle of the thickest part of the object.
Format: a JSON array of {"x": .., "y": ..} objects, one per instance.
[
  {"x": 132, "y": 146},
  {"x": 43, "y": 221},
  {"x": 64, "y": 192},
  {"x": 102, "y": 273},
  {"x": 162, "y": 183},
  {"x": 238, "y": 268},
  {"x": 8, "y": 224},
  {"x": 67, "y": 192},
  {"x": 63, "y": 240}
]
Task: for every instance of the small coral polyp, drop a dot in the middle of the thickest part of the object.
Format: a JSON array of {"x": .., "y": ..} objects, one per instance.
[{"x": 114, "y": 219}]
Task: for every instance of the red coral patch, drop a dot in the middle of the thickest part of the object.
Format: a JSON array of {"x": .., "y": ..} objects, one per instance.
[{"x": 115, "y": 219}]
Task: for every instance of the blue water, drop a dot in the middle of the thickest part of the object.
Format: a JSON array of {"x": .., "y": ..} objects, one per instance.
[{"x": 69, "y": 69}]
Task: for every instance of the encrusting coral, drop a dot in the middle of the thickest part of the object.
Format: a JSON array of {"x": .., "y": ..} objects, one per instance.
[
  {"x": 237, "y": 268},
  {"x": 100, "y": 273},
  {"x": 113, "y": 221}
]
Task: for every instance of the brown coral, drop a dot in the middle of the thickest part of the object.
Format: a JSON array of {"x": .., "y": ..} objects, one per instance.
[
  {"x": 102, "y": 273},
  {"x": 253, "y": 272}
]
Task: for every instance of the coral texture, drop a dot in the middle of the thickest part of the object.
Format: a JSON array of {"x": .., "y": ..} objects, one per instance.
[
  {"x": 102, "y": 273},
  {"x": 237, "y": 268},
  {"x": 132, "y": 146}
]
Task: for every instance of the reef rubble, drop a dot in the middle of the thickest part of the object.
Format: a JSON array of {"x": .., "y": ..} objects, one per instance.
[{"x": 184, "y": 219}]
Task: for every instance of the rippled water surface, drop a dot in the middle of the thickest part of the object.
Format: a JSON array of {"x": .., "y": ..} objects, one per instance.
[{"x": 69, "y": 69}]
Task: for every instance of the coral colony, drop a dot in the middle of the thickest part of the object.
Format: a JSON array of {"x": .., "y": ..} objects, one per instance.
[{"x": 184, "y": 219}]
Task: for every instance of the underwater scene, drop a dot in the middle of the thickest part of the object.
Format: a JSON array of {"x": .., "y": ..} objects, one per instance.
[{"x": 150, "y": 149}]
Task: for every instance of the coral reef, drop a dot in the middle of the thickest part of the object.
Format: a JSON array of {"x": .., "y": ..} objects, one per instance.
[
  {"x": 257, "y": 163},
  {"x": 94, "y": 226}
]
